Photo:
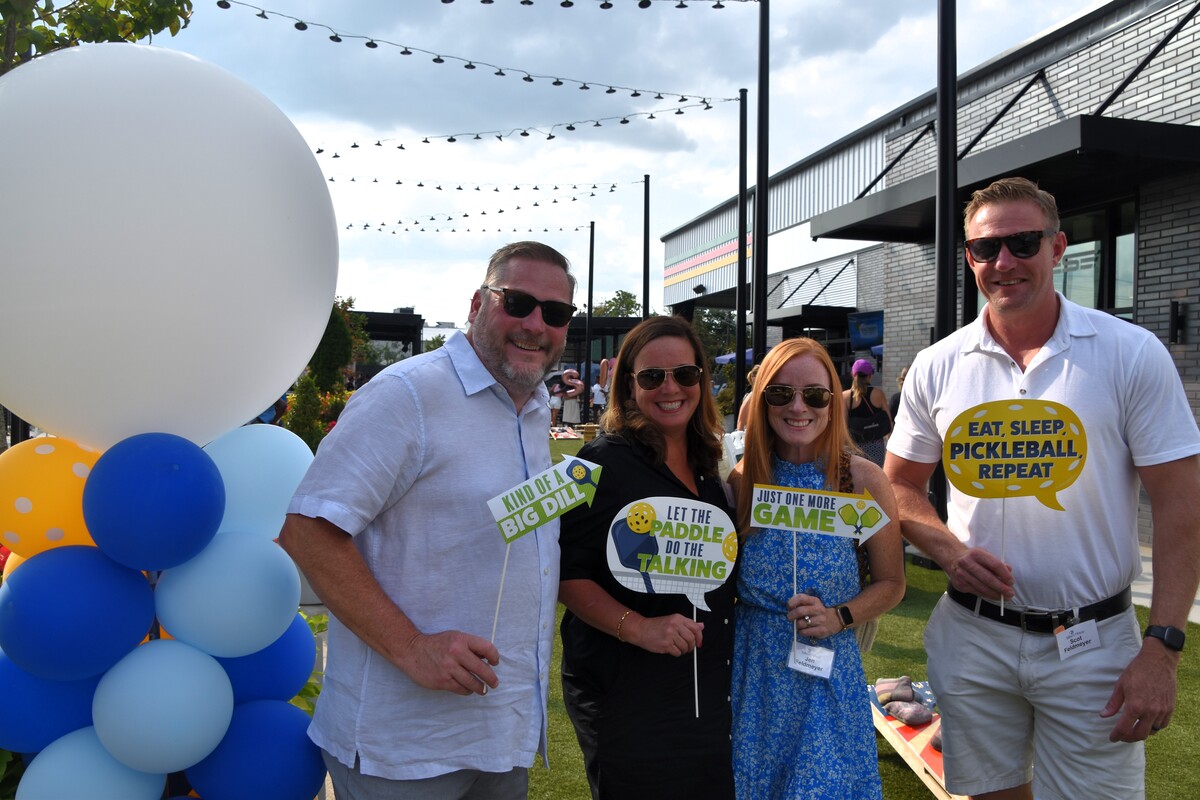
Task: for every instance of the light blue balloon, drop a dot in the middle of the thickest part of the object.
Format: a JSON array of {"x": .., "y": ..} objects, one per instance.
[
  {"x": 236, "y": 597},
  {"x": 261, "y": 466},
  {"x": 78, "y": 766},
  {"x": 163, "y": 707}
]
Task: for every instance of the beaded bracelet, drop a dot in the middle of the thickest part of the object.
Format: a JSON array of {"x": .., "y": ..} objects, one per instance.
[{"x": 621, "y": 622}]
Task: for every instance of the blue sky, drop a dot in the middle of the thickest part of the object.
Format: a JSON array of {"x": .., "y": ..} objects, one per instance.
[{"x": 834, "y": 67}]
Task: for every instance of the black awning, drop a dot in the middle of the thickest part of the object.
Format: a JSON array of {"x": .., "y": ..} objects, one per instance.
[
  {"x": 1081, "y": 161},
  {"x": 383, "y": 326}
]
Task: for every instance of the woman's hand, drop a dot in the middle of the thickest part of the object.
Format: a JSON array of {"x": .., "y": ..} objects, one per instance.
[
  {"x": 674, "y": 635},
  {"x": 812, "y": 618}
]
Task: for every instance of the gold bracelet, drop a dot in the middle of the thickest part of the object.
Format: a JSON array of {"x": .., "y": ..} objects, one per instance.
[{"x": 621, "y": 622}]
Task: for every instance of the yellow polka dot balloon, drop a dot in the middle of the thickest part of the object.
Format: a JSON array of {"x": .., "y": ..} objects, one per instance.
[{"x": 41, "y": 495}]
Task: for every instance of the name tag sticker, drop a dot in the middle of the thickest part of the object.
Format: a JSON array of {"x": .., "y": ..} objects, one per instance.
[
  {"x": 1077, "y": 639},
  {"x": 811, "y": 659}
]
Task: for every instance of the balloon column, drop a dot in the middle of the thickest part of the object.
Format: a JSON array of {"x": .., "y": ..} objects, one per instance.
[{"x": 170, "y": 259}]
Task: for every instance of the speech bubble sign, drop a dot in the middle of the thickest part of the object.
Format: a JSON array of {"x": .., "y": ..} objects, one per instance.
[
  {"x": 672, "y": 545},
  {"x": 854, "y": 516},
  {"x": 1015, "y": 448},
  {"x": 544, "y": 497}
]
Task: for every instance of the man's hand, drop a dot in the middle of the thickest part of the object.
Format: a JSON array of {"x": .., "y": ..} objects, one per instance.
[
  {"x": 979, "y": 572},
  {"x": 1144, "y": 694},
  {"x": 452, "y": 661}
]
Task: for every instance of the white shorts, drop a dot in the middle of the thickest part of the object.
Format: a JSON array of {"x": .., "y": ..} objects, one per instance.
[
  {"x": 993, "y": 681},
  {"x": 555, "y": 401}
]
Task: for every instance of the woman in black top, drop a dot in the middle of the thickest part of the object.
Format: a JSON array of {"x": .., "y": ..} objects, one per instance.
[{"x": 628, "y": 656}]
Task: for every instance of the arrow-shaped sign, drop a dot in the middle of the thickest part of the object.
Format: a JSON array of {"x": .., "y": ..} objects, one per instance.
[
  {"x": 544, "y": 497},
  {"x": 856, "y": 516}
]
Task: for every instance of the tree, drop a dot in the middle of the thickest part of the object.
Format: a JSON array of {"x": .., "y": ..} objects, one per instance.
[
  {"x": 435, "y": 342},
  {"x": 30, "y": 28},
  {"x": 621, "y": 304},
  {"x": 334, "y": 352}
]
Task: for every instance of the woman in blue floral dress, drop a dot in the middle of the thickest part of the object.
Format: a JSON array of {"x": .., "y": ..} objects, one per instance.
[{"x": 802, "y": 723}]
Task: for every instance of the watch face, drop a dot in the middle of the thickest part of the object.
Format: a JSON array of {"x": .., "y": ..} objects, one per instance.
[
  {"x": 847, "y": 617},
  {"x": 1171, "y": 637}
]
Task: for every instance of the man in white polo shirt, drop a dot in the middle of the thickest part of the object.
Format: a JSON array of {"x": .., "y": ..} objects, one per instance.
[
  {"x": 392, "y": 529},
  {"x": 1046, "y": 415}
]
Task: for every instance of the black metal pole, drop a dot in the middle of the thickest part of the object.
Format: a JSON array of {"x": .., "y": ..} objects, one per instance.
[
  {"x": 945, "y": 236},
  {"x": 761, "y": 202},
  {"x": 739, "y": 347},
  {"x": 946, "y": 211},
  {"x": 646, "y": 249},
  {"x": 585, "y": 402}
]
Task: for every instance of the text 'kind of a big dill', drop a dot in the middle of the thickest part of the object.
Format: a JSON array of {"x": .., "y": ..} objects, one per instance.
[{"x": 545, "y": 508}]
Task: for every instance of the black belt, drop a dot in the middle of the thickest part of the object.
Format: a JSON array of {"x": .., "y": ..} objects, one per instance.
[{"x": 1042, "y": 621}]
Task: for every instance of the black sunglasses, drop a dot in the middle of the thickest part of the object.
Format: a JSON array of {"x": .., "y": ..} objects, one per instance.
[
  {"x": 653, "y": 377},
  {"x": 520, "y": 305},
  {"x": 1022, "y": 245},
  {"x": 778, "y": 394}
]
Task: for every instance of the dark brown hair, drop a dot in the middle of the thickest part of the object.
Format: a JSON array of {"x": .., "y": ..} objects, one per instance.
[{"x": 623, "y": 416}]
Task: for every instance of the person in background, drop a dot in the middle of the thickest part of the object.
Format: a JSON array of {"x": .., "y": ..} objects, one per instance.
[
  {"x": 797, "y": 735},
  {"x": 867, "y": 414},
  {"x": 1045, "y": 684},
  {"x": 599, "y": 400},
  {"x": 392, "y": 528},
  {"x": 632, "y": 661},
  {"x": 894, "y": 402},
  {"x": 746, "y": 401}
]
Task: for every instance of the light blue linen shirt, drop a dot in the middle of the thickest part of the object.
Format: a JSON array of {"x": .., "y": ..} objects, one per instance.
[{"x": 408, "y": 471}]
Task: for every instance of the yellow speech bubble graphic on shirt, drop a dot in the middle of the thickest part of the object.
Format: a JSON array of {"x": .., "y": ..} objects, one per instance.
[{"x": 1015, "y": 448}]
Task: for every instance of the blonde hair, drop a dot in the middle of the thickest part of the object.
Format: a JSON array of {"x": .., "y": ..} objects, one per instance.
[
  {"x": 760, "y": 436},
  {"x": 1013, "y": 190}
]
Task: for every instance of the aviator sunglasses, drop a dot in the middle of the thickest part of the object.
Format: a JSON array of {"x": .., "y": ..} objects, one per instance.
[
  {"x": 778, "y": 394},
  {"x": 652, "y": 377},
  {"x": 520, "y": 305},
  {"x": 1022, "y": 245}
]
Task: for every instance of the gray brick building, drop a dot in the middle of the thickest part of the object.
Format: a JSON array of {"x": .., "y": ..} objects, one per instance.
[{"x": 1103, "y": 111}]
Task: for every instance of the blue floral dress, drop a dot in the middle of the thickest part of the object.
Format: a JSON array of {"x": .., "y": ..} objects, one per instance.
[{"x": 796, "y": 735}]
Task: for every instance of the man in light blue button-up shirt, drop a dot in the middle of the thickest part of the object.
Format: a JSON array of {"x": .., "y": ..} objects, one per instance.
[{"x": 392, "y": 529}]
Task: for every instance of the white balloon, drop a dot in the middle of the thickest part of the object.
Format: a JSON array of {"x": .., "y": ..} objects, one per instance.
[{"x": 169, "y": 246}]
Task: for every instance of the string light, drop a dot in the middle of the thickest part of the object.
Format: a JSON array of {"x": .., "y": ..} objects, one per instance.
[
  {"x": 469, "y": 63},
  {"x": 624, "y": 119}
]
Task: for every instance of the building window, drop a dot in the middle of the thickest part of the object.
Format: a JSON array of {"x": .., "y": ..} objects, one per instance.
[{"x": 1098, "y": 268}]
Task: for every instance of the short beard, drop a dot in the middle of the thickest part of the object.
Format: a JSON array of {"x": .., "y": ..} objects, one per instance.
[{"x": 491, "y": 353}]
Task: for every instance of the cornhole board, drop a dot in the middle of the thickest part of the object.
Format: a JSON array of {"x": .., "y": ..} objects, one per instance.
[{"x": 913, "y": 744}]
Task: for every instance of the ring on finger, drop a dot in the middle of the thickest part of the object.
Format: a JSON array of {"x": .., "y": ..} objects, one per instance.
[{"x": 807, "y": 621}]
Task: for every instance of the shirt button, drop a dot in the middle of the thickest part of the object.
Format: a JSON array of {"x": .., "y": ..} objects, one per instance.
[
  {"x": 727, "y": 620},
  {"x": 546, "y": 571}
]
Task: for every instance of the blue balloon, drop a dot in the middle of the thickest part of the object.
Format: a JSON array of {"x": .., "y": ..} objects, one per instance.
[
  {"x": 278, "y": 671},
  {"x": 78, "y": 766},
  {"x": 266, "y": 755},
  {"x": 163, "y": 707},
  {"x": 261, "y": 465},
  {"x": 235, "y": 598},
  {"x": 153, "y": 501},
  {"x": 38, "y": 711},
  {"x": 72, "y": 612}
]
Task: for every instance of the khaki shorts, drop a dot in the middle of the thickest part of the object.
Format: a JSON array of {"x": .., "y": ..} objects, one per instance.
[{"x": 1012, "y": 711}]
